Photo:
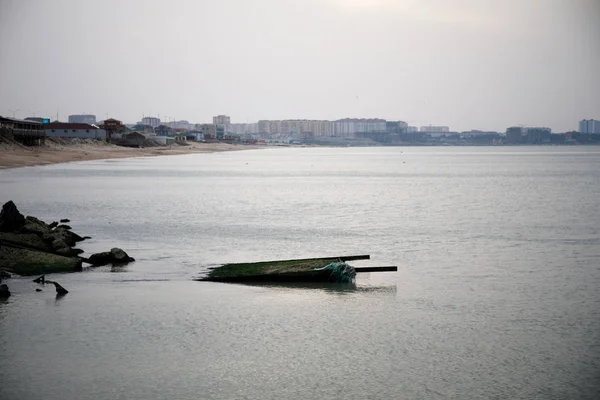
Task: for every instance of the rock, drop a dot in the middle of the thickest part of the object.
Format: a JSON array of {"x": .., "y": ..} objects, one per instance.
[
  {"x": 76, "y": 237},
  {"x": 41, "y": 279},
  {"x": 99, "y": 259},
  {"x": 68, "y": 251},
  {"x": 64, "y": 220},
  {"x": 58, "y": 244},
  {"x": 27, "y": 240},
  {"x": 4, "y": 275},
  {"x": 4, "y": 292},
  {"x": 38, "y": 290},
  {"x": 10, "y": 218},
  {"x": 33, "y": 262},
  {"x": 64, "y": 231},
  {"x": 53, "y": 225},
  {"x": 119, "y": 256},
  {"x": 60, "y": 237},
  {"x": 59, "y": 289},
  {"x": 114, "y": 256},
  {"x": 86, "y": 237},
  {"x": 34, "y": 225}
]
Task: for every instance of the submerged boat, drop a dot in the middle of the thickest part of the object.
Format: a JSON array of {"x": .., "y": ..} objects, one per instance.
[{"x": 325, "y": 269}]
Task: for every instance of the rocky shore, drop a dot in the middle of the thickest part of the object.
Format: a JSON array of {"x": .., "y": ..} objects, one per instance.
[{"x": 30, "y": 246}]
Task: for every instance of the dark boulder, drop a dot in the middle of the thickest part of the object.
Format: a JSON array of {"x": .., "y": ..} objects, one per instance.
[
  {"x": 99, "y": 259},
  {"x": 38, "y": 290},
  {"x": 32, "y": 262},
  {"x": 53, "y": 225},
  {"x": 114, "y": 256},
  {"x": 119, "y": 256},
  {"x": 4, "y": 292},
  {"x": 67, "y": 227},
  {"x": 10, "y": 218},
  {"x": 64, "y": 220}
]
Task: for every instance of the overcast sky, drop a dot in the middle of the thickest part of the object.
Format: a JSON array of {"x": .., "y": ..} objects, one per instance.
[{"x": 468, "y": 64}]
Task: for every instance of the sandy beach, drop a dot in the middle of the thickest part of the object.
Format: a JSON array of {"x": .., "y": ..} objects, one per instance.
[{"x": 13, "y": 155}]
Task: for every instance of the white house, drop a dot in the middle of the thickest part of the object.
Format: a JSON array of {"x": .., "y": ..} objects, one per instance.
[{"x": 68, "y": 130}]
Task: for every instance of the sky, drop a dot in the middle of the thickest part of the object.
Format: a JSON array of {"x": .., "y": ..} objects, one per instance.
[{"x": 466, "y": 64}]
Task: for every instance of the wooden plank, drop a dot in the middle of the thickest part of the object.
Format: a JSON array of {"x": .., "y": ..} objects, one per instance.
[
  {"x": 352, "y": 258},
  {"x": 341, "y": 258},
  {"x": 376, "y": 269}
]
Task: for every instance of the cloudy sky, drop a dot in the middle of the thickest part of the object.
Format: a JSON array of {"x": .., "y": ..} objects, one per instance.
[{"x": 469, "y": 64}]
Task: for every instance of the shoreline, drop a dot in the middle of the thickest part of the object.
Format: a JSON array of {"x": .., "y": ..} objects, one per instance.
[{"x": 14, "y": 155}]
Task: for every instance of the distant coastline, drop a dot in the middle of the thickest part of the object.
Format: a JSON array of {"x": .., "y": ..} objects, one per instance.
[{"x": 14, "y": 155}]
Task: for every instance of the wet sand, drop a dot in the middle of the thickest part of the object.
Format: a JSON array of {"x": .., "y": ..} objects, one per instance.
[{"x": 15, "y": 155}]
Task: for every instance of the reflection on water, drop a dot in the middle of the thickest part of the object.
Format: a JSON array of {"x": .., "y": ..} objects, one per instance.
[
  {"x": 59, "y": 297},
  {"x": 333, "y": 288}
]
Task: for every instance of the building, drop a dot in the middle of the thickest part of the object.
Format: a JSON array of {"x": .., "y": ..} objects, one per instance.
[
  {"x": 82, "y": 119},
  {"x": 413, "y": 136},
  {"x": 434, "y": 129},
  {"x": 475, "y": 132},
  {"x": 237, "y": 129},
  {"x": 164, "y": 130},
  {"x": 207, "y": 131},
  {"x": 27, "y": 132},
  {"x": 143, "y": 128},
  {"x": 396, "y": 126},
  {"x": 264, "y": 126},
  {"x": 591, "y": 126},
  {"x": 181, "y": 124},
  {"x": 133, "y": 139},
  {"x": 74, "y": 130},
  {"x": 221, "y": 120},
  {"x": 537, "y": 135},
  {"x": 38, "y": 119},
  {"x": 319, "y": 128},
  {"x": 349, "y": 127},
  {"x": 514, "y": 135},
  {"x": 220, "y": 131},
  {"x": 180, "y": 138},
  {"x": 528, "y": 135},
  {"x": 222, "y": 123},
  {"x": 112, "y": 126},
  {"x": 151, "y": 121}
]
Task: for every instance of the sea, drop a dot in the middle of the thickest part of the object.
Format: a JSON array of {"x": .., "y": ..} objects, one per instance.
[{"x": 497, "y": 293}]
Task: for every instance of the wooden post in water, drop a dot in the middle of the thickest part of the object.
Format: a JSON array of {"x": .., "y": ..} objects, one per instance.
[{"x": 390, "y": 268}]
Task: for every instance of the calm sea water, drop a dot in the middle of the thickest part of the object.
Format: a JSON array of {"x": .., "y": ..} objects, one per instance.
[{"x": 497, "y": 294}]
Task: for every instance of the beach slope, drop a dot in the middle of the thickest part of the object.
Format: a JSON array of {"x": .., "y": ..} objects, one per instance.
[{"x": 55, "y": 151}]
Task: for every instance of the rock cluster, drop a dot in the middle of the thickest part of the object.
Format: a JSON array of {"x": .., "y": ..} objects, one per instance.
[{"x": 30, "y": 246}]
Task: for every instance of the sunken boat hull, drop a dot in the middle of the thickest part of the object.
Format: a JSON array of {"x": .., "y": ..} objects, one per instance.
[{"x": 327, "y": 269}]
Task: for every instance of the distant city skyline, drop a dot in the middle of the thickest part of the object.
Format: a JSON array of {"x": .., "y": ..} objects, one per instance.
[
  {"x": 468, "y": 65},
  {"x": 592, "y": 125}
]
